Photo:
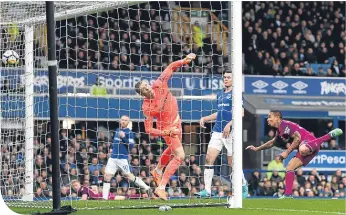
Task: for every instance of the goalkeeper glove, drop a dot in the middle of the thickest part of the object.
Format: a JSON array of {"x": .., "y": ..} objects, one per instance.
[{"x": 171, "y": 132}]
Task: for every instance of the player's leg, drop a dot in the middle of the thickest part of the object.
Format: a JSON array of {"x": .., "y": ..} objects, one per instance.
[
  {"x": 166, "y": 156},
  {"x": 210, "y": 158},
  {"x": 214, "y": 147},
  {"x": 294, "y": 164},
  {"x": 123, "y": 165},
  {"x": 228, "y": 142},
  {"x": 314, "y": 145},
  {"x": 110, "y": 170},
  {"x": 179, "y": 155}
]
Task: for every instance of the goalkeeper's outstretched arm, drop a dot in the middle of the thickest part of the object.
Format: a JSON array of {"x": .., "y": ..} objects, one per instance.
[{"x": 167, "y": 73}]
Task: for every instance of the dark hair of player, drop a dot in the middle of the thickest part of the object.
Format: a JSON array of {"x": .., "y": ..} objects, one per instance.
[
  {"x": 226, "y": 71},
  {"x": 137, "y": 85},
  {"x": 276, "y": 113}
]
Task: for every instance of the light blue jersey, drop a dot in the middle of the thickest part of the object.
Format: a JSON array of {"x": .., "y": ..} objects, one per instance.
[
  {"x": 224, "y": 110},
  {"x": 122, "y": 146}
]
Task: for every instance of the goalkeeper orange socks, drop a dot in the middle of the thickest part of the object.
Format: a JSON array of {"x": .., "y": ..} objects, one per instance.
[{"x": 170, "y": 170}]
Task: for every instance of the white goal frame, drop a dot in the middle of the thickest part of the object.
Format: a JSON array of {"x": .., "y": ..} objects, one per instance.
[{"x": 237, "y": 71}]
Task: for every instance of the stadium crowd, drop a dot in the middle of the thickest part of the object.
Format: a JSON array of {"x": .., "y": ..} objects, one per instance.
[
  {"x": 138, "y": 38},
  {"x": 84, "y": 159},
  {"x": 288, "y": 38},
  {"x": 135, "y": 39}
]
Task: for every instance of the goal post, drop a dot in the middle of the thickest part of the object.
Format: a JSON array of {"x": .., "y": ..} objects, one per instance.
[
  {"x": 237, "y": 72},
  {"x": 53, "y": 104},
  {"x": 109, "y": 46},
  {"x": 29, "y": 112}
]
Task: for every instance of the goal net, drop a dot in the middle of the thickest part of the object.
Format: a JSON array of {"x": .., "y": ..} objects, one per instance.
[{"x": 103, "y": 49}]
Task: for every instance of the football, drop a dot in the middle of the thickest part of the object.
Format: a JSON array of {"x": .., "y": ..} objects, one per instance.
[{"x": 10, "y": 57}]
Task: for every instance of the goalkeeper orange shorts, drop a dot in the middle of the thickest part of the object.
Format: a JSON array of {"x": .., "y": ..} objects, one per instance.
[{"x": 174, "y": 142}]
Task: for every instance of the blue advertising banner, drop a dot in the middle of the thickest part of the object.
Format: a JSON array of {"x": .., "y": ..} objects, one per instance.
[
  {"x": 325, "y": 160},
  {"x": 302, "y": 86},
  {"x": 68, "y": 80},
  {"x": 93, "y": 108},
  {"x": 191, "y": 83}
]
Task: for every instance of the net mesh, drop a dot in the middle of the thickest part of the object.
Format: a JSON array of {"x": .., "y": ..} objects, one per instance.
[
  {"x": 25, "y": 12},
  {"x": 101, "y": 55}
]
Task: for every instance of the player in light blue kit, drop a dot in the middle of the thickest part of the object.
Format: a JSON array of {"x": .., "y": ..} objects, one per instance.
[
  {"x": 221, "y": 135},
  {"x": 122, "y": 145}
]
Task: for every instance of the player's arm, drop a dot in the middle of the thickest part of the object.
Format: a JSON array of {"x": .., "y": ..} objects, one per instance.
[
  {"x": 149, "y": 129},
  {"x": 125, "y": 140},
  {"x": 167, "y": 73},
  {"x": 131, "y": 140},
  {"x": 264, "y": 146},
  {"x": 295, "y": 143},
  {"x": 211, "y": 117},
  {"x": 205, "y": 119}
]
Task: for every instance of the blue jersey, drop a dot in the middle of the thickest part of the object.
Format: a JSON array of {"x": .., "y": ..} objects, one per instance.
[
  {"x": 224, "y": 110},
  {"x": 122, "y": 146}
]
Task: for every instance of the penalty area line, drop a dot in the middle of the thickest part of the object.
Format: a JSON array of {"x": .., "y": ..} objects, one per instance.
[{"x": 295, "y": 210}]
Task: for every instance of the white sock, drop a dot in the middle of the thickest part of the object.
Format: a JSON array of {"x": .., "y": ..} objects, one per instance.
[
  {"x": 105, "y": 191},
  {"x": 208, "y": 177},
  {"x": 141, "y": 183},
  {"x": 244, "y": 180}
]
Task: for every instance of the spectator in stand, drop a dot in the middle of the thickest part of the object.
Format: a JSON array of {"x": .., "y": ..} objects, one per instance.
[
  {"x": 269, "y": 136},
  {"x": 310, "y": 72},
  {"x": 287, "y": 32},
  {"x": 276, "y": 165},
  {"x": 97, "y": 89},
  {"x": 94, "y": 165},
  {"x": 333, "y": 145},
  {"x": 254, "y": 181},
  {"x": 336, "y": 68},
  {"x": 267, "y": 190},
  {"x": 300, "y": 178}
]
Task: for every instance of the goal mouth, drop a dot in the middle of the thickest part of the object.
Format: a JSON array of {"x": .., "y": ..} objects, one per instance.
[{"x": 103, "y": 49}]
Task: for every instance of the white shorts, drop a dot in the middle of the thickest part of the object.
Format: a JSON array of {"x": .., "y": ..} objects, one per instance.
[
  {"x": 114, "y": 164},
  {"x": 217, "y": 142}
]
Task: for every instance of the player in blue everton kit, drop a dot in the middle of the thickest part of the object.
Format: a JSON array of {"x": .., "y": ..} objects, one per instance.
[
  {"x": 221, "y": 135},
  {"x": 121, "y": 147}
]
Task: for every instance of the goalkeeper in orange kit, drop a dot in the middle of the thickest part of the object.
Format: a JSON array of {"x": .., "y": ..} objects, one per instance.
[{"x": 160, "y": 103}]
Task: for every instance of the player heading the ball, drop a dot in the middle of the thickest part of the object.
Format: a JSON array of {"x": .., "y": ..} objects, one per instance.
[
  {"x": 307, "y": 144},
  {"x": 159, "y": 103}
]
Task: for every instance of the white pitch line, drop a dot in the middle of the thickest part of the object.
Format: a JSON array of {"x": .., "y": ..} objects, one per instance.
[{"x": 294, "y": 210}]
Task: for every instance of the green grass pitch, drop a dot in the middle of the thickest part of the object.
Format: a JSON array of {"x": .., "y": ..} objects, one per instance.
[{"x": 250, "y": 207}]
